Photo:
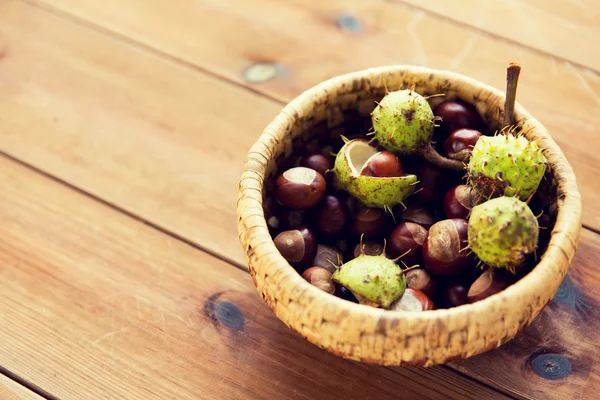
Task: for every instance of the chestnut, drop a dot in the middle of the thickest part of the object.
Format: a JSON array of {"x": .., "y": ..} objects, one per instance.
[
  {"x": 487, "y": 284},
  {"x": 433, "y": 182},
  {"x": 291, "y": 219},
  {"x": 328, "y": 257},
  {"x": 321, "y": 278},
  {"x": 456, "y": 114},
  {"x": 300, "y": 188},
  {"x": 413, "y": 300},
  {"x": 407, "y": 237},
  {"x": 445, "y": 248},
  {"x": 383, "y": 164},
  {"x": 369, "y": 248},
  {"x": 420, "y": 279},
  {"x": 271, "y": 210},
  {"x": 459, "y": 145},
  {"x": 454, "y": 294},
  {"x": 459, "y": 201},
  {"x": 297, "y": 246},
  {"x": 418, "y": 215},
  {"x": 370, "y": 222},
  {"x": 330, "y": 218},
  {"x": 343, "y": 293},
  {"x": 316, "y": 161}
]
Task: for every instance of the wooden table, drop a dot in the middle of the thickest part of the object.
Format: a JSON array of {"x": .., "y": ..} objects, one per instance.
[{"x": 123, "y": 130}]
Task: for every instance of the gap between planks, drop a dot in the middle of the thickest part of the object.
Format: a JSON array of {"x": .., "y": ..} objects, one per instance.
[{"x": 28, "y": 385}]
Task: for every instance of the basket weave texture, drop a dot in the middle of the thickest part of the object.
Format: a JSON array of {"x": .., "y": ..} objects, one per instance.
[{"x": 373, "y": 335}]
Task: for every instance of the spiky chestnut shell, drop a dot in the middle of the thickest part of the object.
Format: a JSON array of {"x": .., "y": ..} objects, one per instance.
[
  {"x": 403, "y": 122},
  {"x": 376, "y": 279},
  {"x": 506, "y": 165},
  {"x": 372, "y": 192},
  {"x": 502, "y": 231}
]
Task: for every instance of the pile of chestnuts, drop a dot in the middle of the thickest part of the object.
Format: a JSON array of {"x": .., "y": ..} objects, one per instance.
[{"x": 428, "y": 210}]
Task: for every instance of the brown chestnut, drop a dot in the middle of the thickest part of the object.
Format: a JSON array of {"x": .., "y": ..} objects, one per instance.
[
  {"x": 456, "y": 114},
  {"x": 291, "y": 219},
  {"x": 454, "y": 294},
  {"x": 321, "y": 278},
  {"x": 459, "y": 145},
  {"x": 413, "y": 300},
  {"x": 316, "y": 161},
  {"x": 487, "y": 284},
  {"x": 421, "y": 280},
  {"x": 330, "y": 218},
  {"x": 383, "y": 164},
  {"x": 370, "y": 222},
  {"x": 271, "y": 210},
  {"x": 300, "y": 188},
  {"x": 297, "y": 246},
  {"x": 407, "y": 237},
  {"x": 459, "y": 201},
  {"x": 444, "y": 251},
  {"x": 328, "y": 257},
  {"x": 369, "y": 248},
  {"x": 418, "y": 215},
  {"x": 433, "y": 182},
  {"x": 345, "y": 294}
]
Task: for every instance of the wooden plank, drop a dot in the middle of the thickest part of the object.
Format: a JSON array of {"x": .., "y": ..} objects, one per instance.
[
  {"x": 11, "y": 390},
  {"x": 140, "y": 132},
  {"x": 61, "y": 92},
  {"x": 565, "y": 29},
  {"x": 557, "y": 356},
  {"x": 312, "y": 41},
  {"x": 97, "y": 305}
]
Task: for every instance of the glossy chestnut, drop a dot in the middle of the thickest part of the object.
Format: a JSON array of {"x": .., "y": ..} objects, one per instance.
[
  {"x": 319, "y": 162},
  {"x": 320, "y": 277},
  {"x": 300, "y": 188},
  {"x": 459, "y": 201},
  {"x": 444, "y": 251},
  {"x": 413, "y": 300},
  {"x": 383, "y": 164},
  {"x": 328, "y": 257},
  {"x": 420, "y": 279},
  {"x": 459, "y": 145},
  {"x": 298, "y": 246},
  {"x": 407, "y": 237},
  {"x": 487, "y": 284},
  {"x": 330, "y": 218}
]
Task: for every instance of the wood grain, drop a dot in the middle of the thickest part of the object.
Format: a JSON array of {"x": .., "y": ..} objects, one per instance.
[
  {"x": 97, "y": 305},
  {"x": 95, "y": 113},
  {"x": 564, "y": 29},
  {"x": 309, "y": 42},
  {"x": 11, "y": 390},
  {"x": 556, "y": 357},
  {"x": 135, "y": 130}
]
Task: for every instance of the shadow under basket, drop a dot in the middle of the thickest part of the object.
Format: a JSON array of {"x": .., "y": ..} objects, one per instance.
[{"x": 341, "y": 105}]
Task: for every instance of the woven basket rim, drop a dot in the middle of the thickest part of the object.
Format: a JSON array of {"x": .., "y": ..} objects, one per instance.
[{"x": 562, "y": 244}]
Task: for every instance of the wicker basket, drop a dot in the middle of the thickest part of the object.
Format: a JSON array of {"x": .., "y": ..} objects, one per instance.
[{"x": 373, "y": 335}]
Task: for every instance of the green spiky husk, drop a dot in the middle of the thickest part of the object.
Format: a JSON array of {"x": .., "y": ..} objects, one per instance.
[
  {"x": 376, "y": 278},
  {"x": 506, "y": 165},
  {"x": 403, "y": 122},
  {"x": 373, "y": 192},
  {"x": 502, "y": 231}
]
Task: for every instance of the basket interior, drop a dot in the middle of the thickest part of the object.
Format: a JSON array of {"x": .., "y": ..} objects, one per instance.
[{"x": 347, "y": 114}]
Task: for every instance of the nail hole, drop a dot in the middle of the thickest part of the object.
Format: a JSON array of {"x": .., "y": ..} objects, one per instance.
[
  {"x": 261, "y": 72},
  {"x": 551, "y": 366},
  {"x": 349, "y": 23}
]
